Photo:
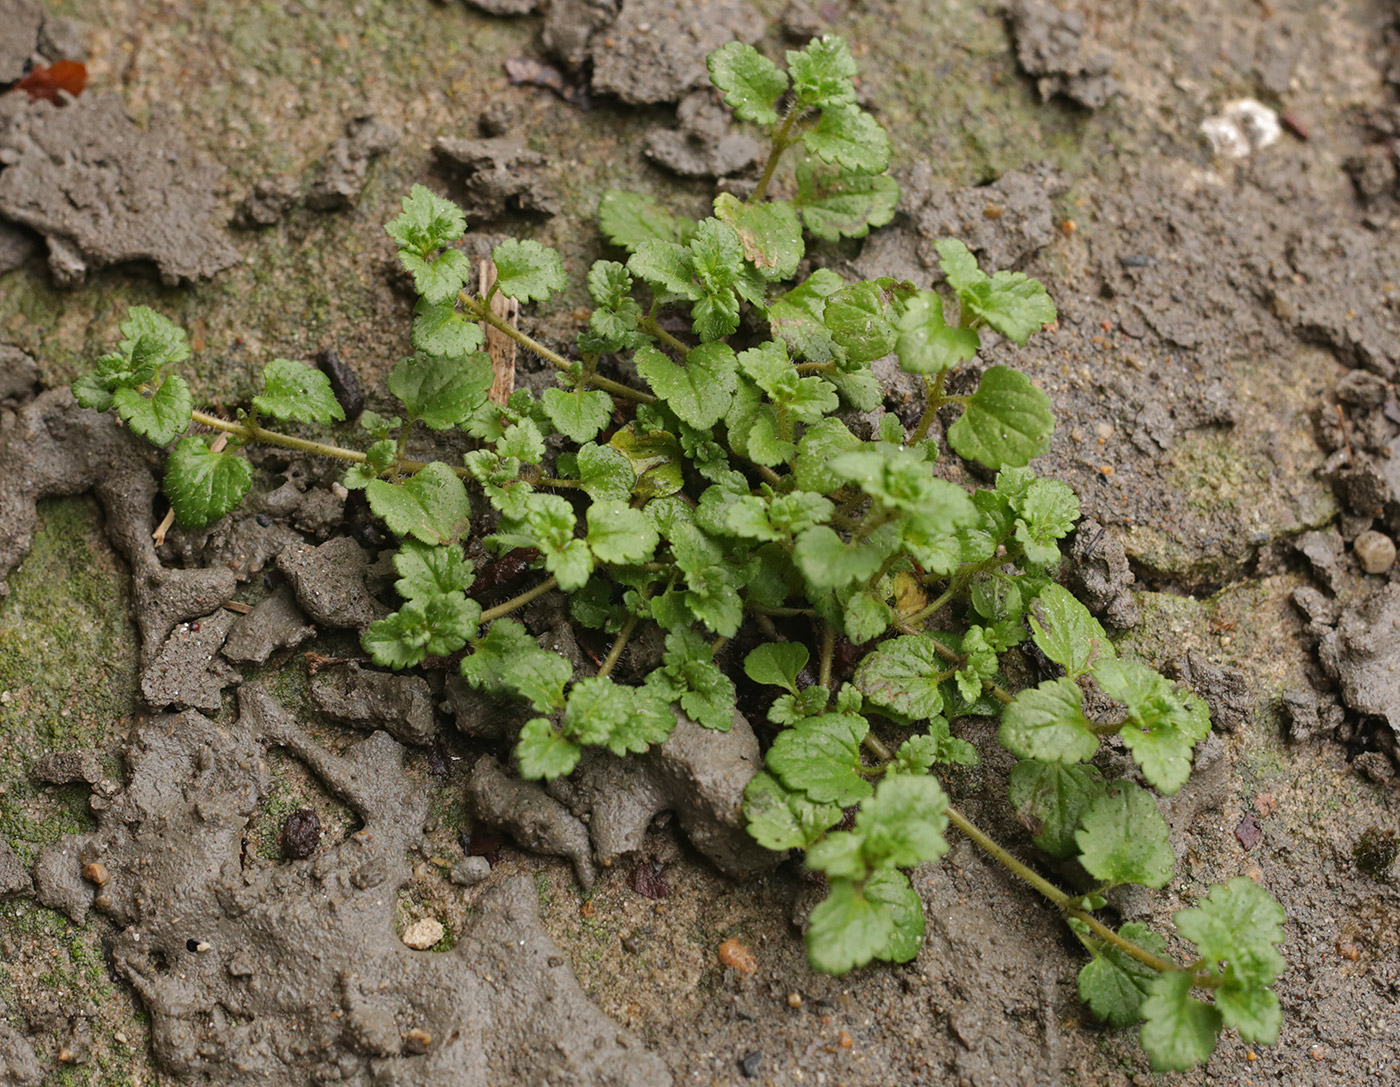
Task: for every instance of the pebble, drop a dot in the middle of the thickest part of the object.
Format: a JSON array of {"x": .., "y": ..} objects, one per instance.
[
  {"x": 737, "y": 956},
  {"x": 470, "y": 871},
  {"x": 794, "y": 1000},
  {"x": 750, "y": 1062},
  {"x": 301, "y": 834},
  {"x": 423, "y": 934},
  {"x": 1376, "y": 551},
  {"x": 96, "y": 872}
]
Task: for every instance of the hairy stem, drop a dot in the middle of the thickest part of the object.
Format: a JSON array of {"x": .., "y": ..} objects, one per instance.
[
  {"x": 250, "y": 432},
  {"x": 935, "y": 400},
  {"x": 483, "y": 312},
  {"x": 828, "y": 652},
  {"x": 780, "y": 144},
  {"x": 1063, "y": 901},
  {"x": 520, "y": 601},
  {"x": 615, "y": 653},
  {"x": 649, "y": 325}
]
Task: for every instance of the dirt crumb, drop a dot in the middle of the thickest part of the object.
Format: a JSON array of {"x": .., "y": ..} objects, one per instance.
[
  {"x": 103, "y": 191},
  {"x": 500, "y": 176}
]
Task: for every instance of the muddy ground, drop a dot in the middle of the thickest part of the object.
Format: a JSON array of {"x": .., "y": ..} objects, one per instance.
[{"x": 1223, "y": 377}]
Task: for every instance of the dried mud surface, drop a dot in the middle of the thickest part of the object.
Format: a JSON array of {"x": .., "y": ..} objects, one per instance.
[{"x": 1223, "y": 374}]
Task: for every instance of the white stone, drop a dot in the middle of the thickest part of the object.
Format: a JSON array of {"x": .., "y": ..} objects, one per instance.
[{"x": 423, "y": 934}]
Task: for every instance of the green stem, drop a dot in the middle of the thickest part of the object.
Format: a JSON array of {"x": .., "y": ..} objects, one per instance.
[
  {"x": 781, "y": 613},
  {"x": 816, "y": 367},
  {"x": 1065, "y": 904},
  {"x": 621, "y": 643},
  {"x": 251, "y": 432},
  {"x": 519, "y": 601},
  {"x": 483, "y": 312},
  {"x": 828, "y": 652},
  {"x": 651, "y": 328},
  {"x": 935, "y": 400},
  {"x": 780, "y": 144}
]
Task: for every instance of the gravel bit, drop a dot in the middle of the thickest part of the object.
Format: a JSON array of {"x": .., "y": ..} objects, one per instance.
[{"x": 301, "y": 834}]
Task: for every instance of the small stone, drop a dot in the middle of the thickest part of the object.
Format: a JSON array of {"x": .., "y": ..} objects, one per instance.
[
  {"x": 96, "y": 872},
  {"x": 1248, "y": 833},
  {"x": 423, "y": 934},
  {"x": 750, "y": 1063},
  {"x": 844, "y": 1040},
  {"x": 417, "y": 1040},
  {"x": 794, "y": 1000},
  {"x": 301, "y": 834},
  {"x": 737, "y": 956},
  {"x": 1375, "y": 550},
  {"x": 471, "y": 871}
]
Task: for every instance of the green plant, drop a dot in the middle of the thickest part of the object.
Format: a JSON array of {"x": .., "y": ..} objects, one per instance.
[{"x": 731, "y": 498}]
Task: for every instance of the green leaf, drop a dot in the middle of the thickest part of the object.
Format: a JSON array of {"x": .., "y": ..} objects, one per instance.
[
  {"x": 436, "y": 626},
  {"x": 796, "y": 317},
  {"x": 820, "y": 756},
  {"x": 926, "y": 345},
  {"x": 1050, "y": 798},
  {"x": 1066, "y": 632},
  {"x": 820, "y": 445},
  {"x": 151, "y": 340},
  {"x": 1047, "y": 722},
  {"x": 94, "y": 389},
  {"x": 751, "y": 83},
  {"x": 822, "y": 72},
  {"x": 523, "y": 441},
  {"x": 866, "y": 617},
  {"x": 1010, "y": 302},
  {"x": 1007, "y": 421},
  {"x": 848, "y": 929},
  {"x": 655, "y": 458},
  {"x": 777, "y": 664},
  {"x": 294, "y": 391},
  {"x": 839, "y": 204},
  {"x": 890, "y": 888},
  {"x": 828, "y": 562},
  {"x": 441, "y": 330},
  {"x": 780, "y": 818},
  {"x": 203, "y": 486},
  {"x": 596, "y": 708},
  {"x": 538, "y": 676},
  {"x": 1180, "y": 1030},
  {"x": 649, "y": 722},
  {"x": 506, "y": 641},
  {"x": 427, "y": 222},
  {"x": 690, "y": 676},
  {"x": 544, "y": 753},
  {"x": 440, "y": 279},
  {"x": 1114, "y": 984},
  {"x": 619, "y": 534},
  {"x": 431, "y": 506},
  {"x": 1163, "y": 725},
  {"x": 441, "y": 392},
  {"x": 579, "y": 414},
  {"x": 1123, "y": 838},
  {"x": 851, "y": 138},
  {"x": 698, "y": 392},
  {"x": 1236, "y": 928},
  {"x": 903, "y": 675},
  {"x": 426, "y": 571},
  {"x": 859, "y": 321},
  {"x": 527, "y": 270},
  {"x": 609, "y": 285},
  {"x": 160, "y": 417},
  {"x": 1254, "y": 1012},
  {"x": 769, "y": 233},
  {"x": 958, "y": 264},
  {"x": 604, "y": 472},
  {"x": 629, "y": 219},
  {"x": 903, "y": 823},
  {"x": 1048, "y": 511}
]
